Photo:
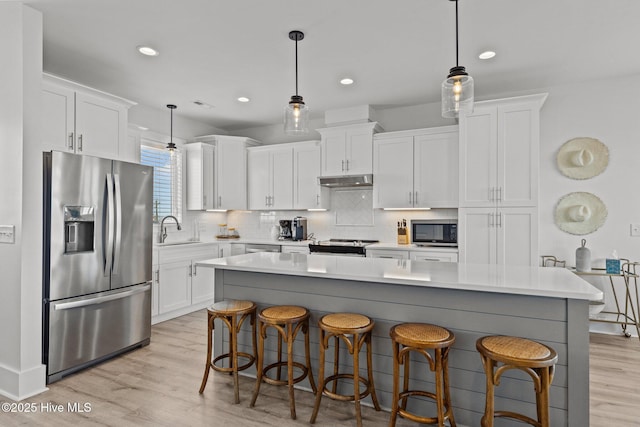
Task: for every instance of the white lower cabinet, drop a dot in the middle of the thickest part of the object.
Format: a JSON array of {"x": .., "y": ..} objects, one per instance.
[
  {"x": 180, "y": 287},
  {"x": 507, "y": 236},
  {"x": 431, "y": 254}
]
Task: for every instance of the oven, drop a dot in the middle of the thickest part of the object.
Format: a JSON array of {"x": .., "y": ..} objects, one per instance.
[
  {"x": 434, "y": 232},
  {"x": 341, "y": 247}
]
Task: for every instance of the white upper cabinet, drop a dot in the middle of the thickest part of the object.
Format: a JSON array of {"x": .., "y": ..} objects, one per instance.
[
  {"x": 416, "y": 169},
  {"x": 230, "y": 170},
  {"x": 200, "y": 160},
  {"x": 81, "y": 120},
  {"x": 499, "y": 146},
  {"x": 307, "y": 192},
  {"x": 348, "y": 150},
  {"x": 270, "y": 177}
]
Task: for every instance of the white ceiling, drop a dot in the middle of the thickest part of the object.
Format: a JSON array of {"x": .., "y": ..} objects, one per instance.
[{"x": 398, "y": 51}]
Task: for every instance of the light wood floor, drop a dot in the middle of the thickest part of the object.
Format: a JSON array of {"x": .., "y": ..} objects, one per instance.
[{"x": 158, "y": 386}]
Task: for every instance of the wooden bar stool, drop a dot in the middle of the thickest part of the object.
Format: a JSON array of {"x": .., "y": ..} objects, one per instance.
[
  {"x": 501, "y": 353},
  {"x": 233, "y": 314},
  {"x": 288, "y": 320},
  {"x": 342, "y": 326},
  {"x": 419, "y": 337}
]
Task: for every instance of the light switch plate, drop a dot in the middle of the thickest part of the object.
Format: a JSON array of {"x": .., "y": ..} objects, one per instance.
[
  {"x": 7, "y": 233},
  {"x": 635, "y": 229}
]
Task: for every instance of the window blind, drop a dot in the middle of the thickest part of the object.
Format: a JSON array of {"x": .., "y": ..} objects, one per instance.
[{"x": 167, "y": 180}]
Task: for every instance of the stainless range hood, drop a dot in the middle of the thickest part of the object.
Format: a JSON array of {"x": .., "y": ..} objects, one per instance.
[{"x": 365, "y": 180}]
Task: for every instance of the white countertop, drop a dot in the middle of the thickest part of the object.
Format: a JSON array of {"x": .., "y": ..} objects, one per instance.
[{"x": 535, "y": 281}]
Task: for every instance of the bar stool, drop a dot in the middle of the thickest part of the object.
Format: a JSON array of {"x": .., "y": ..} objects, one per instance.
[
  {"x": 534, "y": 358},
  {"x": 229, "y": 312},
  {"x": 419, "y": 337},
  {"x": 288, "y": 320},
  {"x": 341, "y": 326}
]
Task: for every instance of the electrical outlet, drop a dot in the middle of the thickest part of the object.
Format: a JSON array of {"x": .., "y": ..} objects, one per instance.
[
  {"x": 635, "y": 229},
  {"x": 7, "y": 234}
]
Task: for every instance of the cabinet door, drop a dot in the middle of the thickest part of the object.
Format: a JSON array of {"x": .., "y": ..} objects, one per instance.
[
  {"x": 307, "y": 193},
  {"x": 259, "y": 179},
  {"x": 478, "y": 157},
  {"x": 517, "y": 235},
  {"x": 282, "y": 178},
  {"x": 201, "y": 284},
  {"x": 57, "y": 118},
  {"x": 333, "y": 153},
  {"x": 231, "y": 174},
  {"x": 100, "y": 126},
  {"x": 477, "y": 235},
  {"x": 387, "y": 253},
  {"x": 200, "y": 167},
  {"x": 393, "y": 169},
  {"x": 224, "y": 250},
  {"x": 359, "y": 152},
  {"x": 434, "y": 256},
  {"x": 435, "y": 170},
  {"x": 518, "y": 148},
  {"x": 174, "y": 286}
]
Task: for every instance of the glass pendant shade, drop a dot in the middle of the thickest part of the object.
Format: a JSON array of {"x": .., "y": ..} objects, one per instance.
[
  {"x": 457, "y": 93},
  {"x": 296, "y": 117}
]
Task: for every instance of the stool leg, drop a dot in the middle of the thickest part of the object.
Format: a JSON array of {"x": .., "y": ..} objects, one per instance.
[
  {"x": 447, "y": 394},
  {"x": 487, "y": 418},
  {"x": 305, "y": 331},
  {"x": 406, "y": 361},
  {"x": 233, "y": 338},
  {"x": 356, "y": 377},
  {"x": 278, "y": 369},
  {"x": 542, "y": 398},
  {"x": 259, "y": 361},
  {"x": 396, "y": 384},
  {"x": 292, "y": 401},
  {"x": 321, "y": 379},
  {"x": 336, "y": 361},
  {"x": 439, "y": 386},
  {"x": 253, "y": 335},
  {"x": 372, "y": 387},
  {"x": 207, "y": 366}
]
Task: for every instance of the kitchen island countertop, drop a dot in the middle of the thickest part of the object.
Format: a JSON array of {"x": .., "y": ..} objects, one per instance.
[{"x": 533, "y": 281}]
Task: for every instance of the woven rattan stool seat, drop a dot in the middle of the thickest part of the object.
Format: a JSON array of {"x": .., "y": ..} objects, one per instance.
[
  {"x": 283, "y": 313},
  {"x": 512, "y": 349},
  {"x": 231, "y": 306},
  {"x": 422, "y": 334},
  {"x": 500, "y": 353},
  {"x": 346, "y": 321}
]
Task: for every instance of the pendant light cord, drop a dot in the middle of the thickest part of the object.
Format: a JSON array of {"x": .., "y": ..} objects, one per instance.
[
  {"x": 171, "y": 128},
  {"x": 296, "y": 66},
  {"x": 456, "y": 33}
]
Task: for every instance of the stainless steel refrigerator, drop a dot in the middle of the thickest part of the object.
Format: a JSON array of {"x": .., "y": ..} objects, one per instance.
[{"x": 96, "y": 260}]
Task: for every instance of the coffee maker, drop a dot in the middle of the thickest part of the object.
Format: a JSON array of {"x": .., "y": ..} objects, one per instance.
[
  {"x": 299, "y": 228},
  {"x": 285, "y": 229}
]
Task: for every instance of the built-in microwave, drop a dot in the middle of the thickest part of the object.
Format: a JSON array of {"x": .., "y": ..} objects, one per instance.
[{"x": 434, "y": 232}]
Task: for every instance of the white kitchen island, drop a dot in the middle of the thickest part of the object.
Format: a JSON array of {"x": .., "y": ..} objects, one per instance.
[{"x": 549, "y": 305}]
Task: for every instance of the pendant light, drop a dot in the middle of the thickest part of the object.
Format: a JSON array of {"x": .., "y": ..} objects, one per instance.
[
  {"x": 296, "y": 113},
  {"x": 171, "y": 146},
  {"x": 457, "y": 89}
]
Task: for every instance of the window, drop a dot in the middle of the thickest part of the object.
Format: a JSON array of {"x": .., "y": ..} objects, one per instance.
[{"x": 167, "y": 179}]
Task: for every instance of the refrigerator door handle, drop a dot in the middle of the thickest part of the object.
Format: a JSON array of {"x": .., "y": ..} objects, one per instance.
[
  {"x": 108, "y": 222},
  {"x": 118, "y": 231},
  {"x": 99, "y": 300}
]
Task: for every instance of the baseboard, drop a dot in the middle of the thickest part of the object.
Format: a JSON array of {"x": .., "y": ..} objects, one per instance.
[{"x": 22, "y": 385}]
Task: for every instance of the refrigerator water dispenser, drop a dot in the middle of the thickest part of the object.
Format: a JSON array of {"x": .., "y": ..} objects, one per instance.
[{"x": 78, "y": 229}]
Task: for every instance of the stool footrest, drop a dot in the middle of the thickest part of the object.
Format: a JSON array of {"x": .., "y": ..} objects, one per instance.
[
  {"x": 248, "y": 356},
  {"x": 516, "y": 416},
  {"x": 417, "y": 418},
  {"x": 346, "y": 397},
  {"x": 274, "y": 381}
]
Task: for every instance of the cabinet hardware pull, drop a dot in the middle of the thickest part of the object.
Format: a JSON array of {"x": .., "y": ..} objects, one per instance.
[
  {"x": 80, "y": 142},
  {"x": 157, "y": 276},
  {"x": 415, "y": 199},
  {"x": 195, "y": 269},
  {"x": 266, "y": 200},
  {"x": 343, "y": 166},
  {"x": 347, "y": 165},
  {"x": 71, "y": 141},
  {"x": 317, "y": 200}
]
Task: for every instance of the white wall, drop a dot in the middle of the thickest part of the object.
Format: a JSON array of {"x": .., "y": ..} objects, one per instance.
[
  {"x": 21, "y": 371},
  {"x": 159, "y": 120}
]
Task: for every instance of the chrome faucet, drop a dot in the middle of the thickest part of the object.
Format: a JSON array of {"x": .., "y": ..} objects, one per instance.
[{"x": 163, "y": 229}]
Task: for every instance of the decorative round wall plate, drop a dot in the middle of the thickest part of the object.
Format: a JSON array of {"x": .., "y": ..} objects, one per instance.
[
  {"x": 580, "y": 213},
  {"x": 582, "y": 158}
]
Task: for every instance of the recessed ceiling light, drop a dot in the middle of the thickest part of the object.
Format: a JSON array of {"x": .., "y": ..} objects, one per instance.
[
  {"x": 488, "y": 54},
  {"x": 346, "y": 81},
  {"x": 243, "y": 99},
  {"x": 149, "y": 51}
]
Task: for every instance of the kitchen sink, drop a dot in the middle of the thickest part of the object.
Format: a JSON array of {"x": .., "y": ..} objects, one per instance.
[{"x": 180, "y": 242}]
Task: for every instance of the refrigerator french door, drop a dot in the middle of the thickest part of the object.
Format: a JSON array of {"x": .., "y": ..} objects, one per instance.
[{"x": 96, "y": 260}]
